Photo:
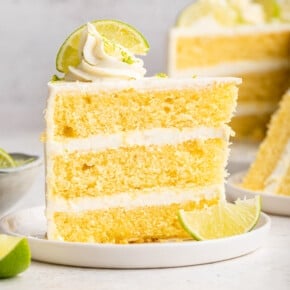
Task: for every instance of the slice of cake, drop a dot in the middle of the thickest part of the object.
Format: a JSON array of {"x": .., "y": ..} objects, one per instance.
[
  {"x": 270, "y": 172},
  {"x": 124, "y": 154},
  {"x": 234, "y": 38}
]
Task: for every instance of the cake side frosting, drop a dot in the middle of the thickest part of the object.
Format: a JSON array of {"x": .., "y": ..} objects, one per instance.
[
  {"x": 249, "y": 108},
  {"x": 234, "y": 68},
  {"x": 272, "y": 183}
]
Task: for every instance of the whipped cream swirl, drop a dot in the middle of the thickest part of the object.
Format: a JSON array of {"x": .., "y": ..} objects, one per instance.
[{"x": 96, "y": 64}]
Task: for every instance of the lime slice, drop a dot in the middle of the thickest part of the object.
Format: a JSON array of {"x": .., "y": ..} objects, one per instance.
[
  {"x": 115, "y": 31},
  {"x": 221, "y": 11},
  {"x": 6, "y": 160},
  {"x": 191, "y": 13},
  {"x": 222, "y": 220},
  {"x": 271, "y": 8},
  {"x": 14, "y": 255}
]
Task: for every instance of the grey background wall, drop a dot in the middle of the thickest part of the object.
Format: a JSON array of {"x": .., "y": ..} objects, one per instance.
[{"x": 31, "y": 31}]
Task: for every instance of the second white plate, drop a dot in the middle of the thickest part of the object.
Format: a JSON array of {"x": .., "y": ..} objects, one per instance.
[
  {"x": 271, "y": 203},
  {"x": 32, "y": 224}
]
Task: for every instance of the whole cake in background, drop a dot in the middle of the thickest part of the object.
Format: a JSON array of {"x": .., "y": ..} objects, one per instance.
[
  {"x": 243, "y": 38},
  {"x": 270, "y": 172},
  {"x": 125, "y": 152}
]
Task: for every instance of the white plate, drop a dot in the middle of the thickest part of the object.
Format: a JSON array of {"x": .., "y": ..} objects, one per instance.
[
  {"x": 31, "y": 223},
  {"x": 271, "y": 203}
]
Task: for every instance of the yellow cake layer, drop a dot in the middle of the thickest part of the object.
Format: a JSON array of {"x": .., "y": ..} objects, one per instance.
[
  {"x": 79, "y": 114},
  {"x": 118, "y": 225},
  {"x": 195, "y": 162},
  {"x": 250, "y": 127},
  {"x": 271, "y": 149},
  {"x": 284, "y": 187},
  {"x": 267, "y": 85},
  {"x": 206, "y": 50}
]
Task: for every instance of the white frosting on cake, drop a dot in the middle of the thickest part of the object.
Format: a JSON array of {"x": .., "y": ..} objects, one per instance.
[
  {"x": 147, "y": 197},
  {"x": 230, "y": 31},
  {"x": 232, "y": 68},
  {"x": 147, "y": 83},
  {"x": 246, "y": 109},
  {"x": 156, "y": 136},
  {"x": 272, "y": 183},
  {"x": 96, "y": 63}
]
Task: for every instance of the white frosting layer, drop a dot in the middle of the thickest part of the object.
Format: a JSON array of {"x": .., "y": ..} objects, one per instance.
[
  {"x": 232, "y": 68},
  {"x": 273, "y": 181},
  {"x": 96, "y": 64},
  {"x": 156, "y": 136},
  {"x": 230, "y": 31},
  {"x": 146, "y": 84},
  {"x": 152, "y": 197},
  {"x": 255, "y": 109}
]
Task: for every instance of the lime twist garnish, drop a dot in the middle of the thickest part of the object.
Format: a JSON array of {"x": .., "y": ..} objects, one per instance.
[
  {"x": 15, "y": 255},
  {"x": 230, "y": 12},
  {"x": 115, "y": 34},
  {"x": 271, "y": 8},
  {"x": 222, "y": 220},
  {"x": 6, "y": 160}
]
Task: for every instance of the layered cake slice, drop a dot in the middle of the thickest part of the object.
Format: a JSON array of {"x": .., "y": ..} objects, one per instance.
[
  {"x": 270, "y": 172},
  {"x": 235, "y": 38},
  {"x": 124, "y": 153}
]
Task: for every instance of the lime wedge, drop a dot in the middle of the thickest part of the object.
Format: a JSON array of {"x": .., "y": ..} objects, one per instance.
[
  {"x": 222, "y": 220},
  {"x": 6, "y": 160},
  {"x": 14, "y": 255},
  {"x": 271, "y": 7},
  {"x": 221, "y": 11},
  {"x": 114, "y": 31},
  {"x": 191, "y": 13}
]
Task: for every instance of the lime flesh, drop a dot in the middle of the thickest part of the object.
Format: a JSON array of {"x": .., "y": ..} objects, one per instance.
[
  {"x": 15, "y": 255},
  {"x": 222, "y": 220}
]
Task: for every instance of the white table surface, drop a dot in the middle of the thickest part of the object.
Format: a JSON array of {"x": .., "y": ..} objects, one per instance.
[{"x": 266, "y": 268}]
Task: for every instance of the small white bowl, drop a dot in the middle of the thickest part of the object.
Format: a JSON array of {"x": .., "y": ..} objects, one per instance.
[
  {"x": 271, "y": 203},
  {"x": 15, "y": 182}
]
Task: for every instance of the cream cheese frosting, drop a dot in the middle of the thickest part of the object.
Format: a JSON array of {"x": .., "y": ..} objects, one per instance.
[
  {"x": 246, "y": 109},
  {"x": 148, "y": 197},
  {"x": 97, "y": 64},
  {"x": 156, "y": 136},
  {"x": 273, "y": 181}
]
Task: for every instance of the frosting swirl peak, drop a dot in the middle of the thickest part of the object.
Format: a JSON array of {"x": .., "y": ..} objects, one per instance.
[{"x": 97, "y": 64}]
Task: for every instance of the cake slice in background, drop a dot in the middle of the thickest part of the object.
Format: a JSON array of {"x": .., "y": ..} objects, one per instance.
[
  {"x": 236, "y": 38},
  {"x": 125, "y": 153},
  {"x": 270, "y": 172}
]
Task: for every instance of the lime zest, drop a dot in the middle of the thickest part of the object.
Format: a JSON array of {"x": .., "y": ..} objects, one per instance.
[
  {"x": 127, "y": 58},
  {"x": 56, "y": 78},
  {"x": 161, "y": 75}
]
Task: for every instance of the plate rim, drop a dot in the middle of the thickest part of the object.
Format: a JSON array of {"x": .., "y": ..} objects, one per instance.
[
  {"x": 264, "y": 217},
  {"x": 137, "y": 256},
  {"x": 237, "y": 177}
]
